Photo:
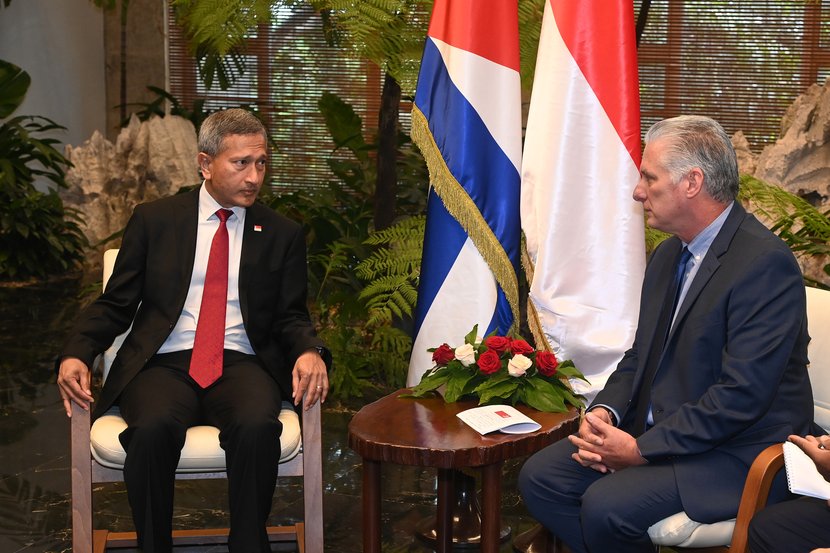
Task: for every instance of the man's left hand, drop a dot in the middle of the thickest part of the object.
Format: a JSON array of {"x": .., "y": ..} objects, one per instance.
[
  {"x": 609, "y": 448},
  {"x": 309, "y": 378}
]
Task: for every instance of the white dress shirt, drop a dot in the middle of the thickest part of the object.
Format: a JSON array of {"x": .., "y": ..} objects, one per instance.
[{"x": 183, "y": 334}]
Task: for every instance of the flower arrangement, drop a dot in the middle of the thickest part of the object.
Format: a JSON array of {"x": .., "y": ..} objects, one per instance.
[{"x": 499, "y": 369}]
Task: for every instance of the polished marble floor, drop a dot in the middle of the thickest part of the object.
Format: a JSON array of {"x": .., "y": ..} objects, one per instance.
[{"x": 34, "y": 463}]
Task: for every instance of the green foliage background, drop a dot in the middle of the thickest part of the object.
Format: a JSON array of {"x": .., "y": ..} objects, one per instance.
[{"x": 39, "y": 237}]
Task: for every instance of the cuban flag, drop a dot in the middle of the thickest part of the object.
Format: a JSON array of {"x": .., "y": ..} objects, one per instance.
[
  {"x": 584, "y": 233},
  {"x": 466, "y": 120}
]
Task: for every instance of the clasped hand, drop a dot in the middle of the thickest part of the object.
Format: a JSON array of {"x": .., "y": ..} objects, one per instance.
[{"x": 602, "y": 446}]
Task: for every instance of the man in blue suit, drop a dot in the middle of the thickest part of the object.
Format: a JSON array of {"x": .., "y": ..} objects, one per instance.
[{"x": 716, "y": 373}]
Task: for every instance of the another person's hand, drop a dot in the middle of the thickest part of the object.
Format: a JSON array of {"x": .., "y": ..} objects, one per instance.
[
  {"x": 604, "y": 447},
  {"x": 74, "y": 384},
  {"x": 817, "y": 449},
  {"x": 309, "y": 377}
]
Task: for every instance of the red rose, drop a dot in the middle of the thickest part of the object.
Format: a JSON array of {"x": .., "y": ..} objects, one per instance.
[
  {"x": 520, "y": 347},
  {"x": 547, "y": 363},
  {"x": 443, "y": 354},
  {"x": 489, "y": 362},
  {"x": 497, "y": 343}
]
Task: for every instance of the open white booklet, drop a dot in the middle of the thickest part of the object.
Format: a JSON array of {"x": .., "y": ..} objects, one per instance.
[
  {"x": 802, "y": 475},
  {"x": 503, "y": 418}
]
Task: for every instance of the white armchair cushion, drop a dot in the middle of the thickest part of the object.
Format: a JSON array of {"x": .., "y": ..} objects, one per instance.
[
  {"x": 818, "y": 319},
  {"x": 681, "y": 531},
  {"x": 201, "y": 451}
]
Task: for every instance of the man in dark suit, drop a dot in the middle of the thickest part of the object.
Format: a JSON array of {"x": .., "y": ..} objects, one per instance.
[
  {"x": 214, "y": 285},
  {"x": 716, "y": 373},
  {"x": 801, "y": 525}
]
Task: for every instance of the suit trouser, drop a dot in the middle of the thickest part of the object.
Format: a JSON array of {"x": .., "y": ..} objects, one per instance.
[
  {"x": 593, "y": 512},
  {"x": 159, "y": 405},
  {"x": 796, "y": 526}
]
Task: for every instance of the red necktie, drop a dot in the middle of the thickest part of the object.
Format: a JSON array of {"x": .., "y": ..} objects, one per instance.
[{"x": 209, "y": 343}]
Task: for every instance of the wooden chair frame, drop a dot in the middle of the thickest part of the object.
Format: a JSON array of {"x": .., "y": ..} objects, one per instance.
[
  {"x": 753, "y": 499},
  {"x": 86, "y": 471}
]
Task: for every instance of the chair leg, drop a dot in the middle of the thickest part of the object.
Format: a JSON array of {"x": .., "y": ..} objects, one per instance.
[
  {"x": 81, "y": 481},
  {"x": 300, "y": 529},
  {"x": 99, "y": 541}
]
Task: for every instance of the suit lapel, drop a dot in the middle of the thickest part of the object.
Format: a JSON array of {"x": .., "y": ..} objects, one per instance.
[
  {"x": 665, "y": 277},
  {"x": 253, "y": 238},
  {"x": 186, "y": 229}
]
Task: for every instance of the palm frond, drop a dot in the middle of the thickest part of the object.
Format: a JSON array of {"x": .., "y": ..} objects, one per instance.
[
  {"x": 390, "y": 33},
  {"x": 392, "y": 271},
  {"x": 222, "y": 25}
]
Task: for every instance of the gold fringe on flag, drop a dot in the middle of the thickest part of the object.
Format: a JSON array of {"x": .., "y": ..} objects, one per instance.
[
  {"x": 464, "y": 210},
  {"x": 532, "y": 314}
]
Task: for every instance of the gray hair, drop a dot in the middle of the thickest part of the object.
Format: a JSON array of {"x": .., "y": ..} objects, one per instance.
[
  {"x": 696, "y": 141},
  {"x": 224, "y": 123}
]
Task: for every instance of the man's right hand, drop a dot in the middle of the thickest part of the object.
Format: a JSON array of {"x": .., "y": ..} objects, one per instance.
[{"x": 74, "y": 384}]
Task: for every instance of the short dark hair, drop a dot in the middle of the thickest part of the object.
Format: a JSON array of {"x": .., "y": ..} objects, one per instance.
[
  {"x": 223, "y": 123},
  {"x": 697, "y": 141}
]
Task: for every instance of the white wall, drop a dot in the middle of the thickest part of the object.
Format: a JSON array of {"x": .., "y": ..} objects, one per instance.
[{"x": 60, "y": 43}]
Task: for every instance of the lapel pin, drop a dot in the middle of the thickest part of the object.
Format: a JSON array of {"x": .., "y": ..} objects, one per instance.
[{"x": 257, "y": 228}]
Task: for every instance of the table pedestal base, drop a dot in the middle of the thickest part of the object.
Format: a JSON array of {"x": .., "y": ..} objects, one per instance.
[
  {"x": 466, "y": 517},
  {"x": 538, "y": 540}
]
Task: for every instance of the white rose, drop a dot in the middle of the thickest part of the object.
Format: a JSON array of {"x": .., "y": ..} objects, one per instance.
[
  {"x": 466, "y": 354},
  {"x": 518, "y": 365}
]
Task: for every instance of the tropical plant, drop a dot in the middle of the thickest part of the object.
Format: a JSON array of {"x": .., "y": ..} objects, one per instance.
[
  {"x": 360, "y": 323},
  {"x": 156, "y": 107},
  {"x": 392, "y": 270},
  {"x": 39, "y": 237}
]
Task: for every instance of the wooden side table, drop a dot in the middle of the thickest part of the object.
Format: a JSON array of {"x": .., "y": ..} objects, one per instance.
[{"x": 426, "y": 432}]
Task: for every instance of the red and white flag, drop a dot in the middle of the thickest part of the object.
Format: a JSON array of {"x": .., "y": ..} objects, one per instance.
[{"x": 585, "y": 234}]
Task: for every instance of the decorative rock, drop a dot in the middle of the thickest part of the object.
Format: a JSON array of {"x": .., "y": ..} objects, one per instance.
[
  {"x": 799, "y": 161},
  {"x": 747, "y": 161},
  {"x": 149, "y": 160}
]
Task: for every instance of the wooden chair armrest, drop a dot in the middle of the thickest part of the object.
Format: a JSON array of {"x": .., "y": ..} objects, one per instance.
[
  {"x": 312, "y": 479},
  {"x": 755, "y": 494},
  {"x": 81, "y": 474}
]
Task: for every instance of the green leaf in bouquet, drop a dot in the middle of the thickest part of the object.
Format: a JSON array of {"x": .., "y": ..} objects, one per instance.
[
  {"x": 497, "y": 388},
  {"x": 573, "y": 399},
  {"x": 431, "y": 381},
  {"x": 457, "y": 384},
  {"x": 544, "y": 396},
  {"x": 470, "y": 338},
  {"x": 567, "y": 368}
]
